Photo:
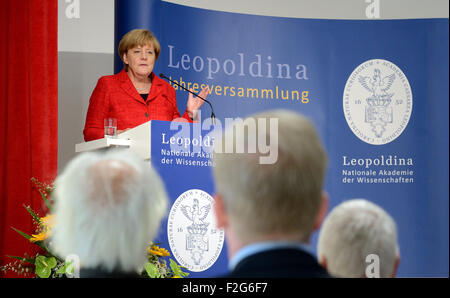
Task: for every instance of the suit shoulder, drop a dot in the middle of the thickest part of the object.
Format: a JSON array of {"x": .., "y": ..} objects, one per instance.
[
  {"x": 108, "y": 82},
  {"x": 108, "y": 78}
]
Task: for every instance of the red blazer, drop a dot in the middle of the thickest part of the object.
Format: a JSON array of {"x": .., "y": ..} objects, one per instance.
[{"x": 116, "y": 97}]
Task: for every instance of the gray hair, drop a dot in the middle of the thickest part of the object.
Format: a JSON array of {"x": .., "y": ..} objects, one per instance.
[
  {"x": 108, "y": 208},
  {"x": 283, "y": 197},
  {"x": 352, "y": 231}
]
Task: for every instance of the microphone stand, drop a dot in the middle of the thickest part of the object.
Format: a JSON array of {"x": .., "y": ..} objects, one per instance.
[{"x": 213, "y": 116}]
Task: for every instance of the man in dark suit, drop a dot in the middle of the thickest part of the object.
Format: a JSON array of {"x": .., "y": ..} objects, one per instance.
[{"x": 269, "y": 198}]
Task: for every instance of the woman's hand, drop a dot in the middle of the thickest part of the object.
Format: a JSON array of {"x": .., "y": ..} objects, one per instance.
[{"x": 194, "y": 103}]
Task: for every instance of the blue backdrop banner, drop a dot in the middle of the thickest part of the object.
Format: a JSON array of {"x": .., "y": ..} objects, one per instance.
[{"x": 377, "y": 92}]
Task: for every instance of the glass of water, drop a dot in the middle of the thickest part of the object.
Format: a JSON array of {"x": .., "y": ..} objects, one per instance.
[{"x": 110, "y": 127}]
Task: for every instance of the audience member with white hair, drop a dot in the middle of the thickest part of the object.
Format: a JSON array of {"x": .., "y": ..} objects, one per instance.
[
  {"x": 359, "y": 239},
  {"x": 108, "y": 208},
  {"x": 269, "y": 211}
]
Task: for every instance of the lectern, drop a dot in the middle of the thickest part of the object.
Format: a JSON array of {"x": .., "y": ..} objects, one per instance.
[
  {"x": 136, "y": 139},
  {"x": 180, "y": 152}
]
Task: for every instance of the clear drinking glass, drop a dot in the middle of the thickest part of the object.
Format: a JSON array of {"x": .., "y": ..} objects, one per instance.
[{"x": 110, "y": 127}]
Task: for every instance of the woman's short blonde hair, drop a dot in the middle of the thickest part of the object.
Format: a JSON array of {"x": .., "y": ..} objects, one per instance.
[{"x": 138, "y": 37}]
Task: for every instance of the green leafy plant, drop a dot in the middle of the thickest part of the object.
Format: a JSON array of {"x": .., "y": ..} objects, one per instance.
[
  {"x": 156, "y": 267},
  {"x": 44, "y": 266}
]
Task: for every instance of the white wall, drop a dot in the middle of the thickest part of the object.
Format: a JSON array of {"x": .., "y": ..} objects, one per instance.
[
  {"x": 87, "y": 27},
  {"x": 330, "y": 9},
  {"x": 85, "y": 53}
]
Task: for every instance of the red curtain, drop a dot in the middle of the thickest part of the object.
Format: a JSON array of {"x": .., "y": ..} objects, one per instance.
[{"x": 28, "y": 114}]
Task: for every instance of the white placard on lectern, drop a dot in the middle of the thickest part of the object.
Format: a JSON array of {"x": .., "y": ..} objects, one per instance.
[{"x": 136, "y": 139}]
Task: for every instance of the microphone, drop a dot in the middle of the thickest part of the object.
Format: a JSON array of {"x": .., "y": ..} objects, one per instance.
[{"x": 213, "y": 116}]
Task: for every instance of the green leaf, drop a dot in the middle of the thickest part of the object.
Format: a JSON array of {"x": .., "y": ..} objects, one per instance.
[
  {"x": 22, "y": 233},
  {"x": 38, "y": 243},
  {"x": 152, "y": 270},
  {"x": 28, "y": 260},
  {"x": 47, "y": 202},
  {"x": 41, "y": 245},
  {"x": 66, "y": 267},
  {"x": 32, "y": 213},
  {"x": 44, "y": 266},
  {"x": 176, "y": 269}
]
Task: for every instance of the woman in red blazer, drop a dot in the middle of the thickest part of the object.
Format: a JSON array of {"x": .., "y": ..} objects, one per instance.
[{"x": 135, "y": 95}]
